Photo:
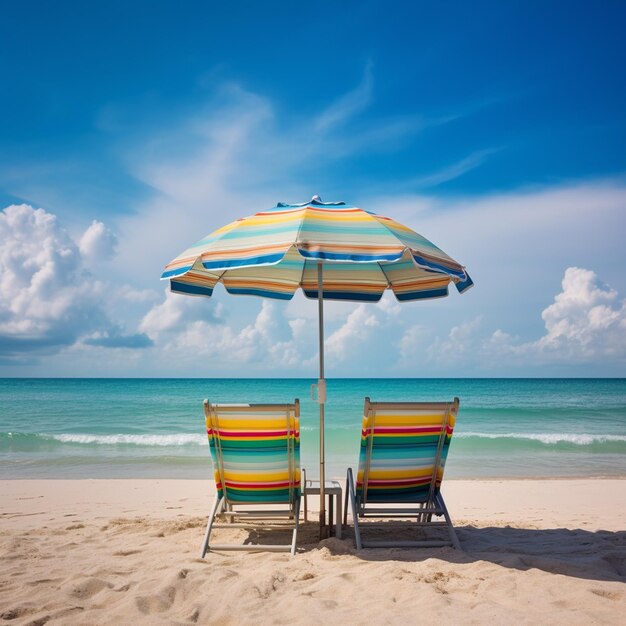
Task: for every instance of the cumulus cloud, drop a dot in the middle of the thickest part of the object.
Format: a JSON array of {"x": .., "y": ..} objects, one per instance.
[
  {"x": 48, "y": 299},
  {"x": 361, "y": 324},
  {"x": 461, "y": 344},
  {"x": 98, "y": 243},
  {"x": 586, "y": 320},
  {"x": 586, "y": 323},
  {"x": 195, "y": 329},
  {"x": 268, "y": 340},
  {"x": 176, "y": 311},
  {"x": 356, "y": 329}
]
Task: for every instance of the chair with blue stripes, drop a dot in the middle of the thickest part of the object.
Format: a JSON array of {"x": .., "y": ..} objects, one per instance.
[
  {"x": 256, "y": 460},
  {"x": 403, "y": 451}
]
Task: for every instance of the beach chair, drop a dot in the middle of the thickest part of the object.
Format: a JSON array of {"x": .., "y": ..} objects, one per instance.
[
  {"x": 403, "y": 452},
  {"x": 256, "y": 458}
]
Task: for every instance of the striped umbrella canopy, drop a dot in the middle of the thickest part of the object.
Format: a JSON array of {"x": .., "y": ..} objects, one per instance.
[
  {"x": 332, "y": 250},
  {"x": 274, "y": 252}
]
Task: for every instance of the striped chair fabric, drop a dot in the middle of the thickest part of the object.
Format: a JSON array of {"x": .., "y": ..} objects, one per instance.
[
  {"x": 256, "y": 452},
  {"x": 399, "y": 446}
]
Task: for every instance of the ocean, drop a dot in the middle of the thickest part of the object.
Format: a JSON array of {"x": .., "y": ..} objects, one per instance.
[{"x": 133, "y": 428}]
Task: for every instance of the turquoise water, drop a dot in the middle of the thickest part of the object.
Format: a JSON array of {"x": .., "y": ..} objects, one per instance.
[{"x": 60, "y": 428}]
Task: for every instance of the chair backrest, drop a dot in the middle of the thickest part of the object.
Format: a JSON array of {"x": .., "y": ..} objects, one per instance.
[
  {"x": 256, "y": 451},
  {"x": 404, "y": 446}
]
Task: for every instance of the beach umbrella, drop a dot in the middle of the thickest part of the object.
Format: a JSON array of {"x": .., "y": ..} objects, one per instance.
[{"x": 332, "y": 250}]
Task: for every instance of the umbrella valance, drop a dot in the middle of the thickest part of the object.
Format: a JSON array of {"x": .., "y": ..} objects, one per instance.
[{"x": 274, "y": 252}]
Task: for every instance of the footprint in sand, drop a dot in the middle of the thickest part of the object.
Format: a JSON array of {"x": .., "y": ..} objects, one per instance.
[
  {"x": 194, "y": 616},
  {"x": 42, "y": 581},
  {"x": 609, "y": 595},
  {"x": 17, "y": 612},
  {"x": 157, "y": 603},
  {"x": 271, "y": 585},
  {"x": 89, "y": 588}
]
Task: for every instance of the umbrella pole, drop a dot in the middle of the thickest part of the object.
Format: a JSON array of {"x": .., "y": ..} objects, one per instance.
[{"x": 321, "y": 393}]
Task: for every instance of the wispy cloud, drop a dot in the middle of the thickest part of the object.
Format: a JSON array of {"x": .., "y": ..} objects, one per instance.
[
  {"x": 236, "y": 154},
  {"x": 349, "y": 104},
  {"x": 470, "y": 162},
  {"x": 117, "y": 339}
]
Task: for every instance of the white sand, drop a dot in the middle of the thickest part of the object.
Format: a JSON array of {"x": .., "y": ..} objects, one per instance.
[{"x": 126, "y": 551}]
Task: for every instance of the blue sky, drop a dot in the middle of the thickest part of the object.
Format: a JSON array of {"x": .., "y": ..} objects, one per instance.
[{"x": 497, "y": 131}]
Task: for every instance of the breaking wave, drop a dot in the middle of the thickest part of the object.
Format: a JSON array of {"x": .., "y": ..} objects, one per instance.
[
  {"x": 579, "y": 439},
  {"x": 31, "y": 440}
]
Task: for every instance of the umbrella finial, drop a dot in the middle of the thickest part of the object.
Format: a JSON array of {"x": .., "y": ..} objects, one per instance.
[{"x": 316, "y": 198}]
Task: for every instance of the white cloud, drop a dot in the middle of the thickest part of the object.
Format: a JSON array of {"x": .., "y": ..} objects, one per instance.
[
  {"x": 586, "y": 324},
  {"x": 362, "y": 324},
  {"x": 461, "y": 344},
  {"x": 176, "y": 311},
  {"x": 194, "y": 330},
  {"x": 356, "y": 329},
  {"x": 298, "y": 327},
  {"x": 268, "y": 341},
  {"x": 586, "y": 320},
  {"x": 98, "y": 243},
  {"x": 48, "y": 299},
  {"x": 516, "y": 246}
]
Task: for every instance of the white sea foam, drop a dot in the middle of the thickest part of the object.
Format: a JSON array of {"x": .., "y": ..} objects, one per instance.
[
  {"x": 139, "y": 440},
  {"x": 579, "y": 439}
]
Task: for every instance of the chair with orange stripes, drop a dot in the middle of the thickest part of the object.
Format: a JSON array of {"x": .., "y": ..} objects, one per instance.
[
  {"x": 256, "y": 459},
  {"x": 404, "y": 446}
]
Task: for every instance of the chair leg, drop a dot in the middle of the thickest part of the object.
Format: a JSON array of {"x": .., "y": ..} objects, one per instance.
[
  {"x": 207, "y": 534},
  {"x": 345, "y": 499},
  {"x": 294, "y": 536},
  {"x": 453, "y": 536},
  {"x": 355, "y": 516},
  {"x": 304, "y": 496}
]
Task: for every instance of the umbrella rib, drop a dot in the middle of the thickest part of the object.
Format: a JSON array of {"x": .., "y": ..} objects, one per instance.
[
  {"x": 389, "y": 285},
  {"x": 413, "y": 251}
]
